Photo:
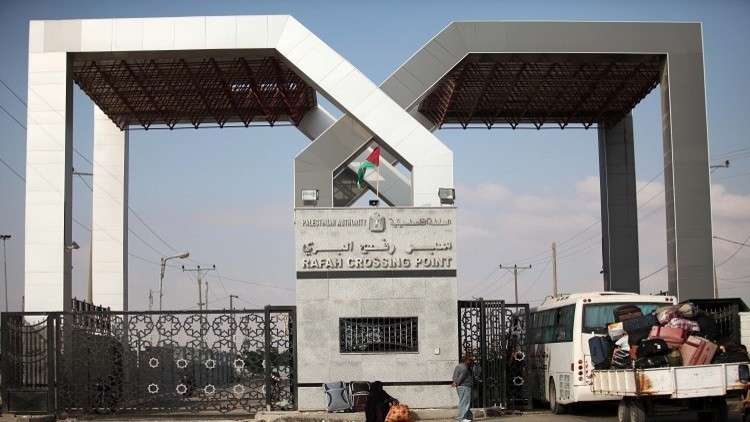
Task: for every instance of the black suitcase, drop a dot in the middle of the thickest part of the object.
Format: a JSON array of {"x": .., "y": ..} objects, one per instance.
[
  {"x": 621, "y": 359},
  {"x": 638, "y": 328},
  {"x": 652, "y": 347},
  {"x": 626, "y": 312},
  {"x": 641, "y": 323},
  {"x": 601, "y": 349},
  {"x": 646, "y": 362}
]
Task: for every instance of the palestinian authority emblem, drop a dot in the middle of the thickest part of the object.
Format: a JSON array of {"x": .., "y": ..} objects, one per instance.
[{"x": 377, "y": 223}]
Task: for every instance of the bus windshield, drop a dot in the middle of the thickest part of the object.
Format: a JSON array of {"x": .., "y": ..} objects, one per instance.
[{"x": 597, "y": 316}]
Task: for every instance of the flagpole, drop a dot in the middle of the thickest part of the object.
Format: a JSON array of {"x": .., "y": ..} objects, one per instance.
[{"x": 377, "y": 183}]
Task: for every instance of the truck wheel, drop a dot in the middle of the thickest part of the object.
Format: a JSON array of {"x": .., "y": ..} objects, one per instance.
[
  {"x": 623, "y": 410},
  {"x": 638, "y": 411},
  {"x": 719, "y": 411},
  {"x": 554, "y": 406}
]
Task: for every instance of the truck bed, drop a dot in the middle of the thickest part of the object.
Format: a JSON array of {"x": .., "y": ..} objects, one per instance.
[{"x": 677, "y": 382}]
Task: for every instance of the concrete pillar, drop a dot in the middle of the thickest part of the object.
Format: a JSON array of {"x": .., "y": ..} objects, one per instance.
[
  {"x": 49, "y": 187},
  {"x": 619, "y": 207},
  {"x": 687, "y": 186},
  {"x": 109, "y": 260}
]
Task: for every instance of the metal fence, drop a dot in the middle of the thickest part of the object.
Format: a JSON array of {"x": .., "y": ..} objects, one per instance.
[
  {"x": 494, "y": 333},
  {"x": 208, "y": 362}
]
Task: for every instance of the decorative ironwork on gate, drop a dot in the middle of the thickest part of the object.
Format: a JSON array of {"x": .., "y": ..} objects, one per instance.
[
  {"x": 494, "y": 333},
  {"x": 222, "y": 362}
]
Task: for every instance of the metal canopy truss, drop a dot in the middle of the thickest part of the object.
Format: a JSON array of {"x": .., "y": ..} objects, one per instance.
[
  {"x": 515, "y": 89},
  {"x": 194, "y": 90}
]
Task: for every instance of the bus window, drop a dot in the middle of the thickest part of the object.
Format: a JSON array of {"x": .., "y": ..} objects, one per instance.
[
  {"x": 565, "y": 318},
  {"x": 552, "y": 325},
  {"x": 597, "y": 316}
]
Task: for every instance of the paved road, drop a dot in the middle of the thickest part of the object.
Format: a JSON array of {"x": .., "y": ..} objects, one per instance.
[{"x": 606, "y": 414}]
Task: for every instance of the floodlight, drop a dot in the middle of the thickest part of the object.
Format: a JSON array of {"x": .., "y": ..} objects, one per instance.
[
  {"x": 447, "y": 195},
  {"x": 310, "y": 195}
]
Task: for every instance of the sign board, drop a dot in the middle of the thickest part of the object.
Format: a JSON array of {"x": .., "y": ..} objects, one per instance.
[{"x": 375, "y": 242}]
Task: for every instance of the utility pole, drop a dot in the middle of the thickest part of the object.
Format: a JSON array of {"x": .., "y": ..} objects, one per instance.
[
  {"x": 199, "y": 272},
  {"x": 716, "y": 282},
  {"x": 554, "y": 269},
  {"x": 231, "y": 308},
  {"x": 164, "y": 260},
  {"x": 5, "y": 237},
  {"x": 515, "y": 269}
]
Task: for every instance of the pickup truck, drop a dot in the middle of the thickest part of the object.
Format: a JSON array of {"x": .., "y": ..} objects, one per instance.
[{"x": 703, "y": 388}]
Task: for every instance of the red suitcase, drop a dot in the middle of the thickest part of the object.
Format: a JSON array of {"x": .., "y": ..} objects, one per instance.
[
  {"x": 697, "y": 351},
  {"x": 673, "y": 336}
]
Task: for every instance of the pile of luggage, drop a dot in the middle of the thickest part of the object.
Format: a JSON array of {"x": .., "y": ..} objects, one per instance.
[{"x": 673, "y": 335}]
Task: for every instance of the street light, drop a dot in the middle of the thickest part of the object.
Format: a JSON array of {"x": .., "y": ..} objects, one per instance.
[
  {"x": 164, "y": 260},
  {"x": 5, "y": 237}
]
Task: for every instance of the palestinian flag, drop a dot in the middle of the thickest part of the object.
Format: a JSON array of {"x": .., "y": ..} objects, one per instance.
[{"x": 372, "y": 162}]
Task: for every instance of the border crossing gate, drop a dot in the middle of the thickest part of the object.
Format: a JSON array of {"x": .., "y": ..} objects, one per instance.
[
  {"x": 494, "y": 333},
  {"x": 97, "y": 361}
]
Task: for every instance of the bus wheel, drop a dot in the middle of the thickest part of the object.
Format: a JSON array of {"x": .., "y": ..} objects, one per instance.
[
  {"x": 554, "y": 406},
  {"x": 623, "y": 410},
  {"x": 638, "y": 410}
]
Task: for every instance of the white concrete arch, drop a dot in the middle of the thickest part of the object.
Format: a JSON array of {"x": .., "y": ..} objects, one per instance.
[
  {"x": 52, "y": 44},
  {"x": 685, "y": 137}
]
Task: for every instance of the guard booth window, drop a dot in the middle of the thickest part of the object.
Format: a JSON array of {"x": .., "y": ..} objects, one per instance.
[
  {"x": 552, "y": 325},
  {"x": 368, "y": 335}
]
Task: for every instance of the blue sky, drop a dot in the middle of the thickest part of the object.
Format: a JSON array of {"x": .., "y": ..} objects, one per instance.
[{"x": 225, "y": 195}]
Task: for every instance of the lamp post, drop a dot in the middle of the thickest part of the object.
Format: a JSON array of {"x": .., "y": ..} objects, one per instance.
[
  {"x": 5, "y": 237},
  {"x": 164, "y": 260}
]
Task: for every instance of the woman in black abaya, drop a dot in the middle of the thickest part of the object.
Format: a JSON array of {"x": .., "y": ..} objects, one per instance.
[{"x": 378, "y": 403}]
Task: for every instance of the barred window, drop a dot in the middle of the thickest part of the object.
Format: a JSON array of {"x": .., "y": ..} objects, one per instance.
[{"x": 380, "y": 334}]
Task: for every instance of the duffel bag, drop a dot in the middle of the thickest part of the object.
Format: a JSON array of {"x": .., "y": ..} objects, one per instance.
[
  {"x": 686, "y": 309},
  {"x": 652, "y": 347},
  {"x": 665, "y": 313},
  {"x": 398, "y": 413},
  {"x": 601, "y": 349},
  {"x": 686, "y": 324}
]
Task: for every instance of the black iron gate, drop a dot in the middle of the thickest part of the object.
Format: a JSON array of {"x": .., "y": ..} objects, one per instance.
[
  {"x": 222, "y": 362},
  {"x": 494, "y": 332}
]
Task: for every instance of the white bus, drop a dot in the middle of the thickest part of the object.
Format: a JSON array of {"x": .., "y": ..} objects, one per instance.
[{"x": 558, "y": 334}]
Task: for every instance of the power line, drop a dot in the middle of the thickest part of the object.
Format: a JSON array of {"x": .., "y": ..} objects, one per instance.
[
  {"x": 12, "y": 170},
  {"x": 736, "y": 251},
  {"x": 13, "y": 92},
  {"x": 86, "y": 159},
  {"x": 255, "y": 283},
  {"x": 653, "y": 273},
  {"x": 731, "y": 241},
  {"x": 12, "y": 117}
]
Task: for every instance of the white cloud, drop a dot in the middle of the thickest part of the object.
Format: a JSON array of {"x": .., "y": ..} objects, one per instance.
[{"x": 498, "y": 225}]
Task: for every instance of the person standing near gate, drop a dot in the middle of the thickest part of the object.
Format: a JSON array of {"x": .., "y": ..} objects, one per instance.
[{"x": 463, "y": 380}]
